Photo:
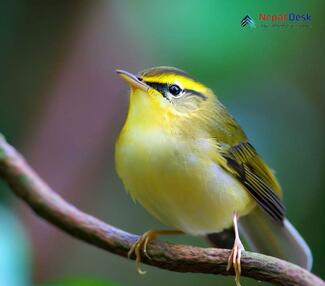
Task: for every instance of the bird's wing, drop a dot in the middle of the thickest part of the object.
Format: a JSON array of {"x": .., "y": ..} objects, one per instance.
[
  {"x": 248, "y": 167},
  {"x": 239, "y": 158}
]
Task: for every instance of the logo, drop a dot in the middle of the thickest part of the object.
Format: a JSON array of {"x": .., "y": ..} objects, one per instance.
[
  {"x": 247, "y": 21},
  {"x": 278, "y": 20},
  {"x": 285, "y": 17}
]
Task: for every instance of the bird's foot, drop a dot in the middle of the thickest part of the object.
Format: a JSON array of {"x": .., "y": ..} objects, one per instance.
[
  {"x": 140, "y": 246},
  {"x": 234, "y": 259}
]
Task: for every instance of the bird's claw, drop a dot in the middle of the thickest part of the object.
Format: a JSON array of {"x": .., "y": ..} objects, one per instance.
[
  {"x": 234, "y": 259},
  {"x": 141, "y": 246}
]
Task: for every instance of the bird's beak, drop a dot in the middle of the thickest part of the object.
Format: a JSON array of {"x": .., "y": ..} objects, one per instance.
[{"x": 133, "y": 80}]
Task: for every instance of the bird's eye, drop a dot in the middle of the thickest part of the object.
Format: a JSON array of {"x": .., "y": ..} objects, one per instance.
[{"x": 174, "y": 89}]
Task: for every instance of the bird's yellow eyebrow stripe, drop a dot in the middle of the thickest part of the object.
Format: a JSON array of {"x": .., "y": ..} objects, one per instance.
[{"x": 183, "y": 81}]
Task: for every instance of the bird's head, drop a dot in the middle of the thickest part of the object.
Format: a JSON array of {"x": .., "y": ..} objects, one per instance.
[{"x": 168, "y": 97}]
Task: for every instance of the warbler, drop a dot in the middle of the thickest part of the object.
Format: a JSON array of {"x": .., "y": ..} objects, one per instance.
[{"x": 187, "y": 161}]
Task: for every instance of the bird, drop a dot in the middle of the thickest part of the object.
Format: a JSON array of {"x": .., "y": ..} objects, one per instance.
[{"x": 187, "y": 161}]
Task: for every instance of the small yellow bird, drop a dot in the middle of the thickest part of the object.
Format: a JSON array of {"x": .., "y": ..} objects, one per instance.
[{"x": 188, "y": 162}]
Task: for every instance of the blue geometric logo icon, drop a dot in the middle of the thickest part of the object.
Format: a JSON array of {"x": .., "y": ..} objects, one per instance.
[{"x": 247, "y": 21}]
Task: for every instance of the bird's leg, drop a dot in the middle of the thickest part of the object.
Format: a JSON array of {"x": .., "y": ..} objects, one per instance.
[
  {"x": 142, "y": 243},
  {"x": 234, "y": 258}
]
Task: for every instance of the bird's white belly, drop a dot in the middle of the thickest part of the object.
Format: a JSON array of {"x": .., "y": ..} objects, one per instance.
[{"x": 181, "y": 188}]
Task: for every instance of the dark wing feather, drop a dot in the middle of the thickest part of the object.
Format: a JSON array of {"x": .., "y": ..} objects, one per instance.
[{"x": 254, "y": 174}]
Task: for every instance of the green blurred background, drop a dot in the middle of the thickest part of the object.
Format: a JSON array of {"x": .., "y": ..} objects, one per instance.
[{"x": 62, "y": 105}]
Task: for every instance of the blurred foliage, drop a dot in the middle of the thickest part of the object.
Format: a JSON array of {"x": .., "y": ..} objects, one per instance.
[
  {"x": 15, "y": 268},
  {"x": 32, "y": 39},
  {"x": 205, "y": 38},
  {"x": 80, "y": 282}
]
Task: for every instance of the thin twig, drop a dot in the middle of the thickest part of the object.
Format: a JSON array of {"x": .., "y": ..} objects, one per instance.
[{"x": 27, "y": 185}]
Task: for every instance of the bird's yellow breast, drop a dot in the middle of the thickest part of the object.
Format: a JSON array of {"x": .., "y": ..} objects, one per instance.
[{"x": 176, "y": 179}]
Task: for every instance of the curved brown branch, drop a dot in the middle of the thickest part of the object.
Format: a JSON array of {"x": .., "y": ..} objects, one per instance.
[{"x": 27, "y": 185}]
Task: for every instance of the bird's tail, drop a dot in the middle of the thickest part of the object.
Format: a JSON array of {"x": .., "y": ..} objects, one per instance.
[
  {"x": 266, "y": 236},
  {"x": 269, "y": 237}
]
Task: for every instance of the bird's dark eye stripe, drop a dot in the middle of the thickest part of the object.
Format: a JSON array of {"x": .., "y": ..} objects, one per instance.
[{"x": 163, "y": 89}]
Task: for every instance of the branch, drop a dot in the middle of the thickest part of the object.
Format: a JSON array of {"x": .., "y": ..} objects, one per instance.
[{"x": 27, "y": 185}]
